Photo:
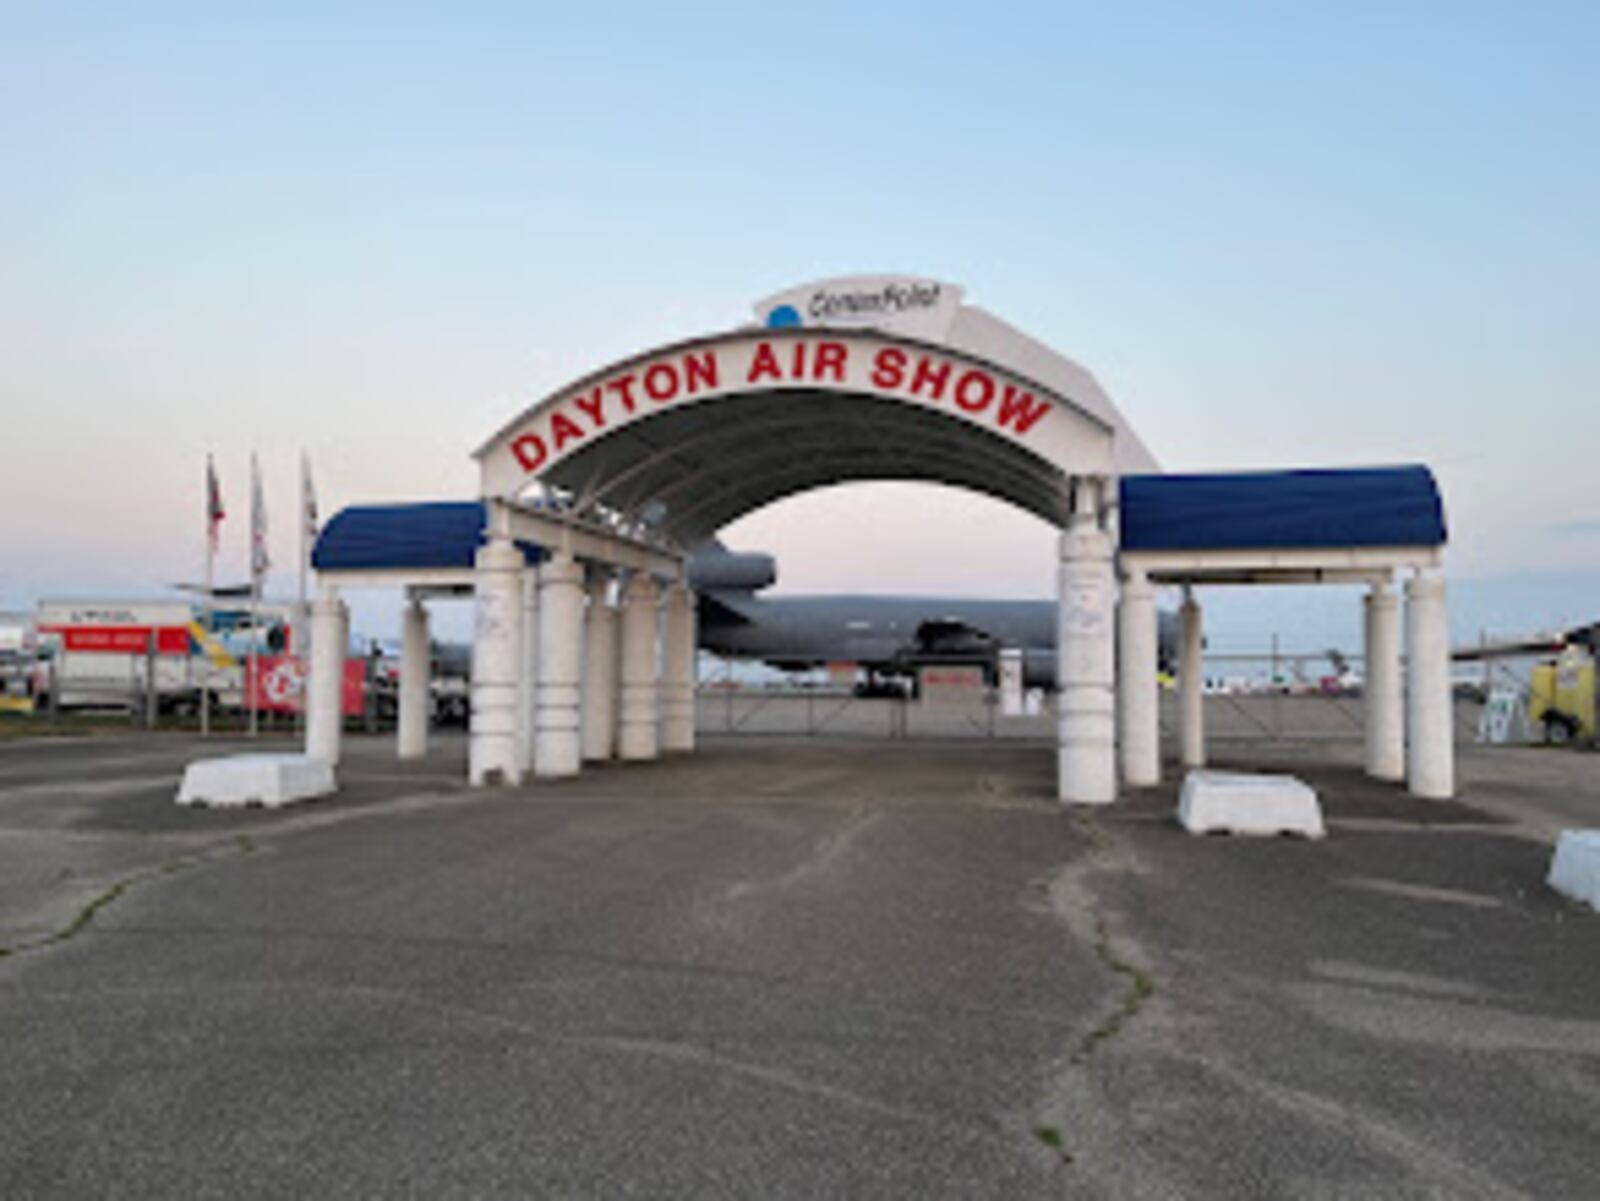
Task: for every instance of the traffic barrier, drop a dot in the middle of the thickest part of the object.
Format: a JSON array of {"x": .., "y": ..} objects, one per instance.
[
  {"x": 1575, "y": 867},
  {"x": 1235, "y": 803}
]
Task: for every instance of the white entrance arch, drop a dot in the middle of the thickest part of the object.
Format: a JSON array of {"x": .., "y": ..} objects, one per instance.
[
  {"x": 667, "y": 447},
  {"x": 591, "y": 498}
]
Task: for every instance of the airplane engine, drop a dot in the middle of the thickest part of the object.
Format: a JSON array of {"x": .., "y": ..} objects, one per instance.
[{"x": 728, "y": 571}]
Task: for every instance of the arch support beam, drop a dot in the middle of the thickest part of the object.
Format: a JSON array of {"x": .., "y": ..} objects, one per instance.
[
  {"x": 559, "y": 750},
  {"x": 1430, "y": 759},
  {"x": 1138, "y": 689},
  {"x": 637, "y": 736},
  {"x": 1086, "y": 655},
  {"x": 677, "y": 676},
  {"x": 493, "y": 749}
]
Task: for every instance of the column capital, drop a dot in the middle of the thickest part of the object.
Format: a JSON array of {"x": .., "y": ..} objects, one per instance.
[
  {"x": 1426, "y": 582},
  {"x": 1137, "y": 580},
  {"x": 560, "y": 568}
]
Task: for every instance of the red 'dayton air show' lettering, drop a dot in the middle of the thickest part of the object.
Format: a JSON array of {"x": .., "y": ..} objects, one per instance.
[{"x": 923, "y": 376}]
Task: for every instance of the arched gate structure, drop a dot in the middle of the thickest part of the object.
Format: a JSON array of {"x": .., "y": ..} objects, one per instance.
[{"x": 584, "y": 643}]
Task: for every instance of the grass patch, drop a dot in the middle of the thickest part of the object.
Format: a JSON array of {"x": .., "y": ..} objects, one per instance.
[
  {"x": 1050, "y": 1136},
  {"x": 243, "y": 844},
  {"x": 1140, "y": 986},
  {"x": 40, "y": 725}
]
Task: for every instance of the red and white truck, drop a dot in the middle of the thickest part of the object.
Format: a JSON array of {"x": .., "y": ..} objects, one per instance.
[{"x": 111, "y": 654}]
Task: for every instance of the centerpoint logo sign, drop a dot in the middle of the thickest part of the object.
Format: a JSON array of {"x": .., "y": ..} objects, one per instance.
[{"x": 914, "y": 307}]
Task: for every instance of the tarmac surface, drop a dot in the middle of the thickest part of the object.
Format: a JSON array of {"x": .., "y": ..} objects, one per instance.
[{"x": 788, "y": 968}]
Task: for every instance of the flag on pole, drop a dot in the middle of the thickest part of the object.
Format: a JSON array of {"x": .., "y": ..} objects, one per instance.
[
  {"x": 308, "y": 503},
  {"x": 259, "y": 560},
  {"x": 214, "y": 510}
]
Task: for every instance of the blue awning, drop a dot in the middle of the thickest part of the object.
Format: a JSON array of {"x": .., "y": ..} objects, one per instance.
[
  {"x": 1282, "y": 510},
  {"x": 1255, "y": 510},
  {"x": 436, "y": 534}
]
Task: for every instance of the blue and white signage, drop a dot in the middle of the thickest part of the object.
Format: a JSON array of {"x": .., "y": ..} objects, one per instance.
[{"x": 898, "y": 304}]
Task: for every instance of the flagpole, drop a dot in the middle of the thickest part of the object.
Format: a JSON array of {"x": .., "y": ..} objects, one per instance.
[
  {"x": 250, "y": 678},
  {"x": 205, "y": 607},
  {"x": 305, "y": 519},
  {"x": 301, "y": 615}
]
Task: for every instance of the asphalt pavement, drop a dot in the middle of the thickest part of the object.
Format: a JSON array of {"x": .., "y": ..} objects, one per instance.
[{"x": 785, "y": 968}]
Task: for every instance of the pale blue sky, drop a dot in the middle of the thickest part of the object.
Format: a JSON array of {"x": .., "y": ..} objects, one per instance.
[{"x": 1280, "y": 234}]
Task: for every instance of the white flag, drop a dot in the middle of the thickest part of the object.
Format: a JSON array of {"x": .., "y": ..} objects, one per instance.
[
  {"x": 308, "y": 502},
  {"x": 259, "y": 561}
]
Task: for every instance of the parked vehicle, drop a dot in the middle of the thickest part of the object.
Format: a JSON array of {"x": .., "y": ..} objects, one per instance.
[{"x": 113, "y": 654}]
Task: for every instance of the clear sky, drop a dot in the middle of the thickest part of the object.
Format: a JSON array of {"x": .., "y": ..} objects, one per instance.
[{"x": 1280, "y": 234}]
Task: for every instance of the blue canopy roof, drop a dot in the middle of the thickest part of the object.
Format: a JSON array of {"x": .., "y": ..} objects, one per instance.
[
  {"x": 1282, "y": 510},
  {"x": 1255, "y": 510},
  {"x": 431, "y": 534}
]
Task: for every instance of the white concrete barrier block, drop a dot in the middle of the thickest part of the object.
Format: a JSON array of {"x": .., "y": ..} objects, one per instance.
[
  {"x": 270, "y": 780},
  {"x": 1575, "y": 868},
  {"x": 1235, "y": 803}
]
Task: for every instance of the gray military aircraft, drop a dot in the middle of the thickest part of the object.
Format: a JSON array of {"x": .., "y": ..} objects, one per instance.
[{"x": 888, "y": 636}]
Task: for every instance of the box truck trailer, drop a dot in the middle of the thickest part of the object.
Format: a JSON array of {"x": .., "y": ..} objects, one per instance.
[{"x": 114, "y": 654}]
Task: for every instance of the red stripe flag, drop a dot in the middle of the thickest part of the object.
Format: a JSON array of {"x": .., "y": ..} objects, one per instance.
[{"x": 214, "y": 510}]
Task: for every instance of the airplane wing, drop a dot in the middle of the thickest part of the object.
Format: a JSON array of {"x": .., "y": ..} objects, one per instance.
[
  {"x": 1539, "y": 645},
  {"x": 951, "y": 635},
  {"x": 719, "y": 609}
]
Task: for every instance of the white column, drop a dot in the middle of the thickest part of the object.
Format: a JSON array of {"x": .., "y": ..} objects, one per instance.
[
  {"x": 492, "y": 750},
  {"x": 1430, "y": 745},
  {"x": 1191, "y": 683},
  {"x": 528, "y": 708},
  {"x": 558, "y": 751},
  {"x": 415, "y": 669},
  {"x": 300, "y": 631},
  {"x": 636, "y": 732},
  {"x": 1138, "y": 688},
  {"x": 677, "y": 671},
  {"x": 1383, "y": 696},
  {"x": 1086, "y": 657},
  {"x": 600, "y": 672},
  {"x": 330, "y": 636}
]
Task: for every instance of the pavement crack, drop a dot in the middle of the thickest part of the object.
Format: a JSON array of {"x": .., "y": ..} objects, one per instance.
[
  {"x": 238, "y": 846},
  {"x": 1085, "y": 916},
  {"x": 1138, "y": 987}
]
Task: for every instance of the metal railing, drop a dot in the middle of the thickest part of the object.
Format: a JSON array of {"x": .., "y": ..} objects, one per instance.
[{"x": 1272, "y": 696}]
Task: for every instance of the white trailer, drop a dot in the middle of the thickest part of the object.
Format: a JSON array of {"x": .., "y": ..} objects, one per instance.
[{"x": 116, "y": 653}]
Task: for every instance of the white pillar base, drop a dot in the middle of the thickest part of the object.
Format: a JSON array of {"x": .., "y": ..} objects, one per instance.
[
  {"x": 330, "y": 626},
  {"x": 492, "y": 749},
  {"x": 559, "y": 751},
  {"x": 600, "y": 682},
  {"x": 637, "y": 736},
  {"x": 1086, "y": 660},
  {"x": 1382, "y": 691},
  {"x": 1430, "y": 747},
  {"x": 1191, "y": 685},
  {"x": 1138, "y": 688},
  {"x": 528, "y": 708},
  {"x": 678, "y": 671},
  {"x": 411, "y": 734}
]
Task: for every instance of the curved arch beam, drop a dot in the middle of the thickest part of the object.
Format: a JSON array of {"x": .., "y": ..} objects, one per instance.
[
  {"x": 754, "y": 480},
  {"x": 709, "y": 516},
  {"x": 969, "y": 392},
  {"x": 743, "y": 462}
]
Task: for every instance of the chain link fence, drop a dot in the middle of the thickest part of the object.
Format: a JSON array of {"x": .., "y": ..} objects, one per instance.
[{"x": 1272, "y": 696}]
